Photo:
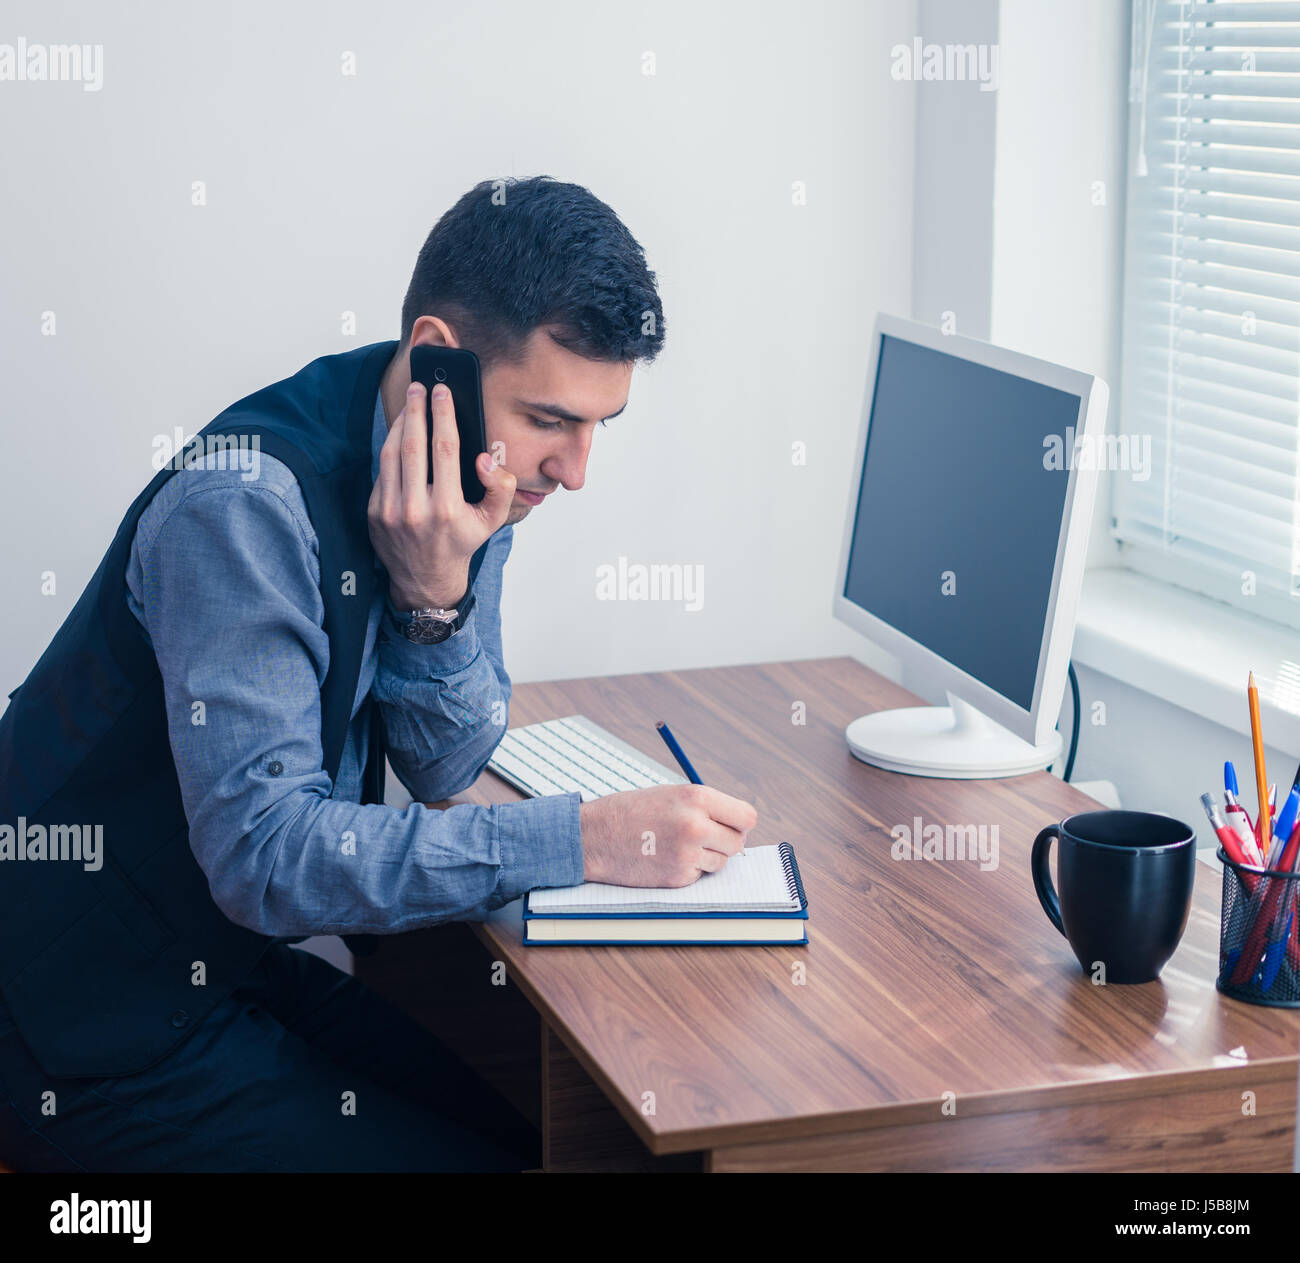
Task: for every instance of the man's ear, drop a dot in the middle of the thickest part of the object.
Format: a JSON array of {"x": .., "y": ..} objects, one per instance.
[{"x": 433, "y": 331}]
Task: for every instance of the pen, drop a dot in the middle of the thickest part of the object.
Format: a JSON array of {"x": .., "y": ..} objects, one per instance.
[
  {"x": 682, "y": 761},
  {"x": 680, "y": 755},
  {"x": 1232, "y": 843},
  {"x": 1241, "y": 822},
  {"x": 1293, "y": 941},
  {"x": 1276, "y": 946},
  {"x": 1280, "y": 931},
  {"x": 1244, "y": 911},
  {"x": 1279, "y": 943},
  {"x": 1238, "y": 816},
  {"x": 1285, "y": 823}
]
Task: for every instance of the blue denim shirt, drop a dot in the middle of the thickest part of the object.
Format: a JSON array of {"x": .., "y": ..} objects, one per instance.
[{"x": 224, "y": 578}]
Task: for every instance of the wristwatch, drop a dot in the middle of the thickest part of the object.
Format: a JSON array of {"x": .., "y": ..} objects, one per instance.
[{"x": 433, "y": 626}]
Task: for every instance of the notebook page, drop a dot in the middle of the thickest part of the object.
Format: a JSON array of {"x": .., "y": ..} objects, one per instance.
[{"x": 753, "y": 882}]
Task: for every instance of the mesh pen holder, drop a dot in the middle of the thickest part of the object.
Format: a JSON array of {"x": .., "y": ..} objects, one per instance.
[{"x": 1259, "y": 935}]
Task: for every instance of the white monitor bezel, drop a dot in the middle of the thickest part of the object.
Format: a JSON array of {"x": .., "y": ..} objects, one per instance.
[{"x": 1035, "y": 723}]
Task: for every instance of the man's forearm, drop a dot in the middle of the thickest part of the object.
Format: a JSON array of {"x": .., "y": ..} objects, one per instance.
[
  {"x": 444, "y": 709},
  {"x": 313, "y": 865}
]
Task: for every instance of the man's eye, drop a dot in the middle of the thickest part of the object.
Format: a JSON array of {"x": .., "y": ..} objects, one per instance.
[{"x": 548, "y": 425}]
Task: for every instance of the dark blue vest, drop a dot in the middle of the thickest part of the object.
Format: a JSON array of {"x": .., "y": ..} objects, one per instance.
[{"x": 97, "y": 967}]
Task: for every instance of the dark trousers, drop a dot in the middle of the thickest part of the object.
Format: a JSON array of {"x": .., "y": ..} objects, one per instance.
[{"x": 260, "y": 1086}]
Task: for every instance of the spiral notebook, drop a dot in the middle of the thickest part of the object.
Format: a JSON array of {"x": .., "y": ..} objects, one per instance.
[{"x": 757, "y": 897}]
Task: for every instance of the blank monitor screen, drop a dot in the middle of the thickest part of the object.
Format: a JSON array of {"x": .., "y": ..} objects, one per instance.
[{"x": 954, "y": 543}]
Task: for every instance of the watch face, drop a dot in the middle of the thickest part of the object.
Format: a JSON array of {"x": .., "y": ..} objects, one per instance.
[{"x": 429, "y": 631}]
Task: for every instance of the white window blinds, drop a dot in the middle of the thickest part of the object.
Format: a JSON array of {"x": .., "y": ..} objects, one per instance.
[{"x": 1211, "y": 339}]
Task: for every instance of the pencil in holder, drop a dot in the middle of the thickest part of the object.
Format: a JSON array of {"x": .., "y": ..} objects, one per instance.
[{"x": 1259, "y": 935}]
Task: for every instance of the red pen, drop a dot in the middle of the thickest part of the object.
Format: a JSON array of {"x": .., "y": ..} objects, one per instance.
[
  {"x": 1236, "y": 851},
  {"x": 1228, "y": 836},
  {"x": 1240, "y": 820},
  {"x": 1245, "y": 827},
  {"x": 1293, "y": 943}
]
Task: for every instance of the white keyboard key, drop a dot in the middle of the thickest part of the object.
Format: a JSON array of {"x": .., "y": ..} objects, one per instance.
[
  {"x": 632, "y": 774},
  {"x": 546, "y": 757},
  {"x": 530, "y": 780},
  {"x": 571, "y": 755}
]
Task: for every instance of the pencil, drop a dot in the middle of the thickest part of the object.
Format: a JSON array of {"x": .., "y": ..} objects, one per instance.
[{"x": 1264, "y": 821}]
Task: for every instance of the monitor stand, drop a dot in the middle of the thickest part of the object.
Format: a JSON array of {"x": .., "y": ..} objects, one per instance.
[{"x": 955, "y": 741}]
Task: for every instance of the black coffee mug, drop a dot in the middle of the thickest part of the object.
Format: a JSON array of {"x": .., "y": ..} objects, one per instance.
[{"x": 1126, "y": 889}]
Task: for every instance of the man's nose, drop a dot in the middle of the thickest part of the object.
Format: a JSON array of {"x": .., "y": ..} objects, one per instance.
[{"x": 568, "y": 464}]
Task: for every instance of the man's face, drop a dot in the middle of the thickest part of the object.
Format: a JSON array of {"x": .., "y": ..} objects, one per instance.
[{"x": 543, "y": 412}]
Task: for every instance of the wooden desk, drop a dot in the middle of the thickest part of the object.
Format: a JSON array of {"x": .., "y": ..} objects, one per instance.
[{"x": 927, "y": 986}]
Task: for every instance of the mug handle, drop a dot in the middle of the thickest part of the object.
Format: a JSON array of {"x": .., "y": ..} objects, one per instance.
[{"x": 1043, "y": 876}]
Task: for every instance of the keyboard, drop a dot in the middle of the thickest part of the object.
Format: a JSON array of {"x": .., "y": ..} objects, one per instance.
[{"x": 560, "y": 756}]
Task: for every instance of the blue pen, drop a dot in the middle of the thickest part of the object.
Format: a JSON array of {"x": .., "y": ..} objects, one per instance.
[
  {"x": 682, "y": 761},
  {"x": 1230, "y": 780},
  {"x": 1273, "y": 955},
  {"x": 1285, "y": 823},
  {"x": 1275, "y": 948}
]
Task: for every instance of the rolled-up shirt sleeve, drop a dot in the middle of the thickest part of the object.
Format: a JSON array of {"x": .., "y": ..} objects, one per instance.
[{"x": 227, "y": 587}]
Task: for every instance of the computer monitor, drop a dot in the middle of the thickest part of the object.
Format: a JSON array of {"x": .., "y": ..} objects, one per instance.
[{"x": 964, "y": 545}]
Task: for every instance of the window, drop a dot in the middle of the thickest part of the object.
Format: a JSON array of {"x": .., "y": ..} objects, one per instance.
[{"x": 1210, "y": 375}]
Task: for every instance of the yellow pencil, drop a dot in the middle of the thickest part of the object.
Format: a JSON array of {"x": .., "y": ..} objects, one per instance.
[{"x": 1264, "y": 822}]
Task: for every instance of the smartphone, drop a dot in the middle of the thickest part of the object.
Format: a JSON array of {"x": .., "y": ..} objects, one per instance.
[{"x": 459, "y": 371}]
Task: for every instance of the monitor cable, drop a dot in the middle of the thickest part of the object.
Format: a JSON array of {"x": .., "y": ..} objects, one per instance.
[{"x": 1074, "y": 727}]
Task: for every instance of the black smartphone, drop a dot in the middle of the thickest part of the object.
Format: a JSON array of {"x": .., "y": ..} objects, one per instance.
[{"x": 459, "y": 371}]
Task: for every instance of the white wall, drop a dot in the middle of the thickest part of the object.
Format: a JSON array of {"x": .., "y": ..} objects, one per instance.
[
  {"x": 956, "y": 129},
  {"x": 1058, "y": 235},
  {"x": 320, "y": 191}
]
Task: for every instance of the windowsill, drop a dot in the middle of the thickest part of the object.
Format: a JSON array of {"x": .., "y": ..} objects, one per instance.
[{"x": 1190, "y": 650}]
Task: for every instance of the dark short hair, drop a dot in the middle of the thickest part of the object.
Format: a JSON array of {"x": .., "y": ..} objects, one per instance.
[{"x": 515, "y": 254}]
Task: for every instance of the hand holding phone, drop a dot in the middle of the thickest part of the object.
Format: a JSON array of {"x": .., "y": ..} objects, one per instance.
[
  {"x": 458, "y": 370},
  {"x": 423, "y": 529}
]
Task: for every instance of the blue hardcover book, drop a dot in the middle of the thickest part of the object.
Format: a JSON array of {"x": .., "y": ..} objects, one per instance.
[{"x": 756, "y": 898}]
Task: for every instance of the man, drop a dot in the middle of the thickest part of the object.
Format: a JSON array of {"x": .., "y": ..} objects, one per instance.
[{"x": 218, "y": 706}]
